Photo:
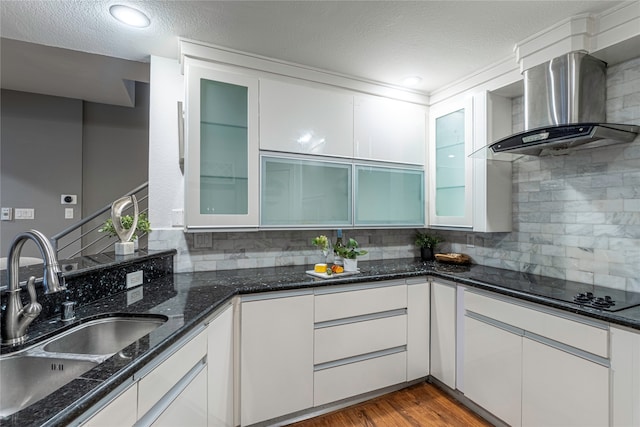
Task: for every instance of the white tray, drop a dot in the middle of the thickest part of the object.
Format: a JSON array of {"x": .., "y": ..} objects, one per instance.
[{"x": 333, "y": 276}]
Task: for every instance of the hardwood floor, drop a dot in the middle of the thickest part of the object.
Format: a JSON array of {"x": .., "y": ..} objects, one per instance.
[{"x": 420, "y": 405}]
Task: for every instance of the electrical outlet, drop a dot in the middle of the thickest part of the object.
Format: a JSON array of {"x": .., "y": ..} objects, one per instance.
[
  {"x": 135, "y": 295},
  {"x": 135, "y": 279},
  {"x": 202, "y": 240},
  {"x": 471, "y": 241}
]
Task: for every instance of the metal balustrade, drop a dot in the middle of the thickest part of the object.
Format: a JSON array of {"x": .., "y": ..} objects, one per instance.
[{"x": 83, "y": 237}]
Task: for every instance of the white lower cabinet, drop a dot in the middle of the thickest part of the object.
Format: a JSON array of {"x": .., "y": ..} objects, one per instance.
[
  {"x": 121, "y": 411},
  {"x": 561, "y": 389},
  {"x": 220, "y": 370},
  {"x": 527, "y": 378},
  {"x": 360, "y": 339},
  {"x": 625, "y": 377},
  {"x": 276, "y": 355},
  {"x": 443, "y": 332},
  {"x": 418, "y": 309},
  {"x": 189, "y": 408},
  {"x": 354, "y": 378},
  {"x": 493, "y": 369}
]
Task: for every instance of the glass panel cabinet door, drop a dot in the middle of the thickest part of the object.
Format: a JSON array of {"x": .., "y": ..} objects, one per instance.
[
  {"x": 389, "y": 196},
  {"x": 298, "y": 192},
  {"x": 221, "y": 155},
  {"x": 450, "y": 176}
]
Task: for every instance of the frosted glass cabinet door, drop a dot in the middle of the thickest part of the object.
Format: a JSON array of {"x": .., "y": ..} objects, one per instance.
[
  {"x": 389, "y": 130},
  {"x": 221, "y": 154},
  {"x": 451, "y": 136},
  {"x": 306, "y": 120},
  {"x": 298, "y": 192},
  {"x": 389, "y": 196}
]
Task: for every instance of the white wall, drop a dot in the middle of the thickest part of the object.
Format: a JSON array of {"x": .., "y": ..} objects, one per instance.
[{"x": 166, "y": 182}]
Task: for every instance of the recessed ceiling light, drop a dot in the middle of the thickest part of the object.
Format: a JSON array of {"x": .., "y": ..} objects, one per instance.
[
  {"x": 411, "y": 81},
  {"x": 130, "y": 16}
]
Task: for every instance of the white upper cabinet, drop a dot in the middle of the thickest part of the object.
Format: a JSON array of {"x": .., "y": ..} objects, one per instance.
[
  {"x": 221, "y": 152},
  {"x": 469, "y": 191},
  {"x": 302, "y": 119},
  {"x": 450, "y": 168},
  {"x": 389, "y": 130},
  {"x": 492, "y": 183}
]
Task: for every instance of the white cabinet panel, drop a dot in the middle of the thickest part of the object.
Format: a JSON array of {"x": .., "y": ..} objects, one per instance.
[
  {"x": 353, "y": 379},
  {"x": 450, "y": 139},
  {"x": 220, "y": 368},
  {"x": 625, "y": 377},
  {"x": 389, "y": 196},
  {"x": 576, "y": 334},
  {"x": 418, "y": 298},
  {"x": 353, "y": 339},
  {"x": 189, "y": 408},
  {"x": 155, "y": 385},
  {"x": 340, "y": 303},
  {"x": 303, "y": 119},
  {"x": 221, "y": 151},
  {"x": 443, "y": 333},
  {"x": 561, "y": 389},
  {"x": 389, "y": 130},
  {"x": 493, "y": 369},
  {"x": 297, "y": 192},
  {"x": 121, "y": 411},
  {"x": 276, "y": 357}
]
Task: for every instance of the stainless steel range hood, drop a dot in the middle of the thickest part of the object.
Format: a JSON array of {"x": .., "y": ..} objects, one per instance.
[{"x": 564, "y": 108}]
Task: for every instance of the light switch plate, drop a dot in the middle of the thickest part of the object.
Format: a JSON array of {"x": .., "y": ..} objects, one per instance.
[
  {"x": 135, "y": 279},
  {"x": 68, "y": 213},
  {"x": 24, "y": 213},
  {"x": 6, "y": 214}
]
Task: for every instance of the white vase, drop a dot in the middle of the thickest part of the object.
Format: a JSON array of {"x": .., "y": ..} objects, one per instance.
[{"x": 350, "y": 264}]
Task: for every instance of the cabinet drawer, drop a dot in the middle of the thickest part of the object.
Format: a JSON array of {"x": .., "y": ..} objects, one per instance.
[
  {"x": 353, "y": 339},
  {"x": 350, "y": 303},
  {"x": 356, "y": 378},
  {"x": 158, "y": 382},
  {"x": 570, "y": 332}
]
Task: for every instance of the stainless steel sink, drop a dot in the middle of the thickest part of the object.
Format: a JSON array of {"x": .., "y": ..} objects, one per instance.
[
  {"x": 25, "y": 379},
  {"x": 32, "y": 374},
  {"x": 103, "y": 336}
]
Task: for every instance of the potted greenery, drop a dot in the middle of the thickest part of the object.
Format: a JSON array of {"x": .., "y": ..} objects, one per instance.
[
  {"x": 322, "y": 242},
  {"x": 427, "y": 244},
  {"x": 143, "y": 227},
  {"x": 349, "y": 253}
]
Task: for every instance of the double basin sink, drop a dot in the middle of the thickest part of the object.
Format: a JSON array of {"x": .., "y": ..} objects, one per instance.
[{"x": 31, "y": 374}]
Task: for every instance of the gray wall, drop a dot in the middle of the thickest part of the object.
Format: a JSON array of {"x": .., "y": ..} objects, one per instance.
[
  {"x": 115, "y": 151},
  {"x": 51, "y": 146},
  {"x": 41, "y": 152}
]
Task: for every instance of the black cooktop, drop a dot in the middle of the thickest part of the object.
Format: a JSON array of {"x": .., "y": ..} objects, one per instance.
[{"x": 580, "y": 294}]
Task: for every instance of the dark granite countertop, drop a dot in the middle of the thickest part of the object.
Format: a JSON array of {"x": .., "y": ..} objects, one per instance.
[{"x": 187, "y": 299}]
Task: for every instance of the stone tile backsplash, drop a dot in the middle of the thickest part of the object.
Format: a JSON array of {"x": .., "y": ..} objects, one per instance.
[{"x": 575, "y": 217}]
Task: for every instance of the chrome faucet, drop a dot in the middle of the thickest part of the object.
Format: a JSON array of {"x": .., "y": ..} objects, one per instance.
[{"x": 17, "y": 318}]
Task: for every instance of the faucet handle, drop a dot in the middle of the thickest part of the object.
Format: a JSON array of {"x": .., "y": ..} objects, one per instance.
[
  {"x": 33, "y": 308},
  {"x": 68, "y": 311}
]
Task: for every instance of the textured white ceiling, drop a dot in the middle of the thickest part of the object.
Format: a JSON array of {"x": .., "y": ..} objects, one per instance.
[{"x": 441, "y": 41}]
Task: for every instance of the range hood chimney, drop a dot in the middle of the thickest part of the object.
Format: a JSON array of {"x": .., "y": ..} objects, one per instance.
[{"x": 564, "y": 108}]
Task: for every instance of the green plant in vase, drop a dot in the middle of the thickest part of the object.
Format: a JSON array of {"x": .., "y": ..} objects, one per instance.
[
  {"x": 427, "y": 244},
  {"x": 143, "y": 226},
  {"x": 349, "y": 253}
]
